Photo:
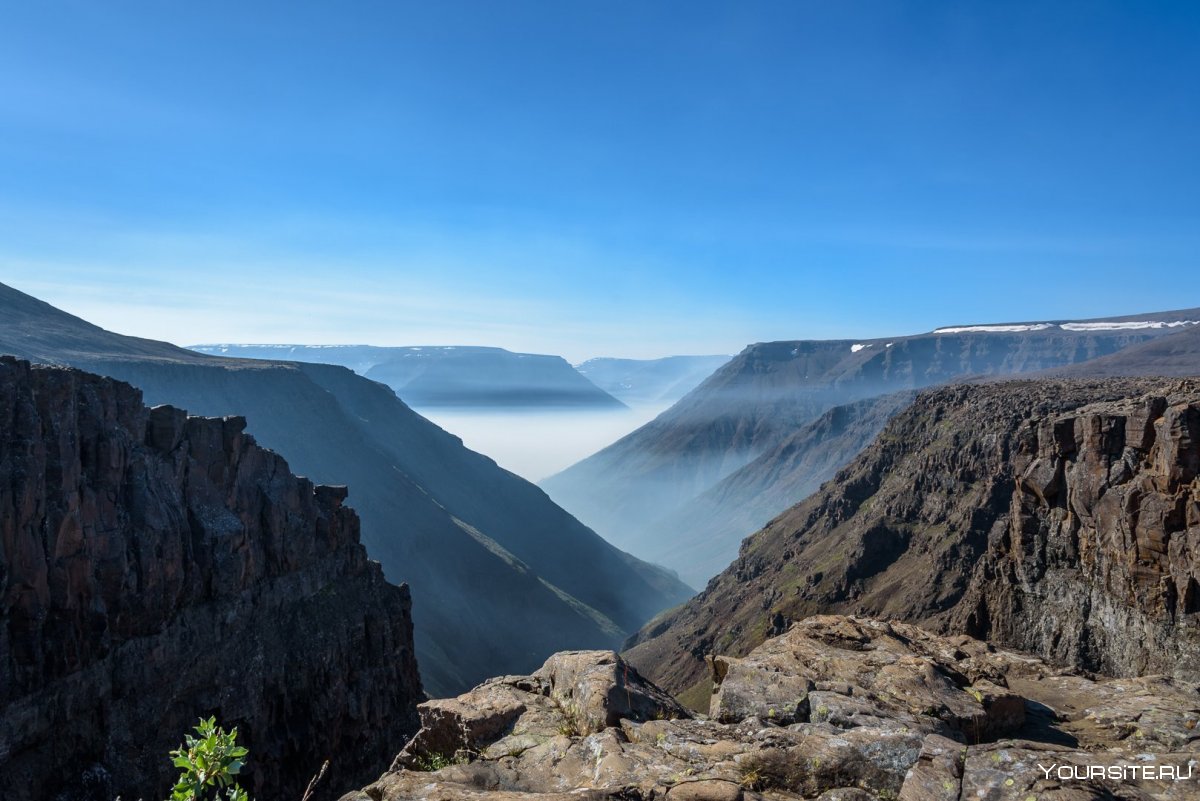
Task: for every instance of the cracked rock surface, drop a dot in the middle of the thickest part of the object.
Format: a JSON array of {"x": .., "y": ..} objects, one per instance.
[{"x": 837, "y": 708}]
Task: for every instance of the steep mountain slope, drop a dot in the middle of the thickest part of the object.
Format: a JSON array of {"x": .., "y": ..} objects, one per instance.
[
  {"x": 156, "y": 568},
  {"x": 454, "y": 376},
  {"x": 646, "y": 382},
  {"x": 769, "y": 391},
  {"x": 501, "y": 576},
  {"x": 718, "y": 519},
  {"x": 1059, "y": 517}
]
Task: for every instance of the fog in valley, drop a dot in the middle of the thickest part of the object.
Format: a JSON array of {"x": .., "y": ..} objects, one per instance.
[{"x": 536, "y": 444}]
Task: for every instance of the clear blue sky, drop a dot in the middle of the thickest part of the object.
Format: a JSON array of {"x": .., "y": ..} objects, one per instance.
[{"x": 597, "y": 178}]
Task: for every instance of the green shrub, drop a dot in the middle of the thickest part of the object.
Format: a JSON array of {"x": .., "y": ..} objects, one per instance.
[{"x": 209, "y": 762}]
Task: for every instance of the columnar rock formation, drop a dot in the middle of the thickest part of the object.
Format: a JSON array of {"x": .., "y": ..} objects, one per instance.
[
  {"x": 156, "y": 568},
  {"x": 1058, "y": 517},
  {"x": 836, "y": 708}
]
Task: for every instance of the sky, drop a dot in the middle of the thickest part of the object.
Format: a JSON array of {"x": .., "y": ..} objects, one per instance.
[{"x": 597, "y": 178}]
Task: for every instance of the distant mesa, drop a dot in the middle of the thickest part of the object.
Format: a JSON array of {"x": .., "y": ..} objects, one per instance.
[{"x": 449, "y": 375}]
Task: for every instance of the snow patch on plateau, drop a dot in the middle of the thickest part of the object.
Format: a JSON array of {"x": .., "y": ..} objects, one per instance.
[
  {"x": 993, "y": 329},
  {"x": 1132, "y": 325},
  {"x": 857, "y": 348}
]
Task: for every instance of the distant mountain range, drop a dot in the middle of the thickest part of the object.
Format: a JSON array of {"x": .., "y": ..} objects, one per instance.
[
  {"x": 644, "y": 382},
  {"x": 686, "y": 488},
  {"x": 500, "y": 575},
  {"x": 448, "y": 375}
]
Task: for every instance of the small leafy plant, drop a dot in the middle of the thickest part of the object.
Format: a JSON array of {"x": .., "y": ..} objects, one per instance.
[{"x": 209, "y": 762}]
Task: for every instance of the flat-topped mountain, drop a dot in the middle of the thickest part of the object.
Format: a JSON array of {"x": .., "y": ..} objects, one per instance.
[
  {"x": 647, "y": 382},
  {"x": 501, "y": 576},
  {"x": 156, "y": 568},
  {"x": 450, "y": 375},
  {"x": 639, "y": 492},
  {"x": 1174, "y": 355},
  {"x": 1057, "y": 517},
  {"x": 359, "y": 358},
  {"x": 461, "y": 376}
]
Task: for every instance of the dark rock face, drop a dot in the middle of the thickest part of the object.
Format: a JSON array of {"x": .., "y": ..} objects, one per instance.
[
  {"x": 835, "y": 708},
  {"x": 1059, "y": 517},
  {"x": 156, "y": 568}
]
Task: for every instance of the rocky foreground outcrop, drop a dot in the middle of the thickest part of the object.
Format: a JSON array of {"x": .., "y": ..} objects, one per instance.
[
  {"x": 156, "y": 568},
  {"x": 1056, "y": 517},
  {"x": 836, "y": 708}
]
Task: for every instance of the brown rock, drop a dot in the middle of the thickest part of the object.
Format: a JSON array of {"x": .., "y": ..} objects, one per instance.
[
  {"x": 937, "y": 773},
  {"x": 897, "y": 687},
  {"x": 900, "y": 674},
  {"x": 597, "y": 689},
  {"x": 705, "y": 790}
]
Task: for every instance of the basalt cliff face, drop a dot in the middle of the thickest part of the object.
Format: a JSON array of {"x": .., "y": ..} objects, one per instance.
[
  {"x": 834, "y": 709},
  {"x": 156, "y": 568},
  {"x": 1058, "y": 517}
]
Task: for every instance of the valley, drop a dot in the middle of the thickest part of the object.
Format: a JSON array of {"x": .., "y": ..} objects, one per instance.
[{"x": 591, "y": 401}]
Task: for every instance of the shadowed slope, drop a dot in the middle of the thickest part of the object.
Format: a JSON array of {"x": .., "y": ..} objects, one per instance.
[{"x": 501, "y": 576}]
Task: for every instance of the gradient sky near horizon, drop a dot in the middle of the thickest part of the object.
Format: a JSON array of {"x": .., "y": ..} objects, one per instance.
[{"x": 597, "y": 178}]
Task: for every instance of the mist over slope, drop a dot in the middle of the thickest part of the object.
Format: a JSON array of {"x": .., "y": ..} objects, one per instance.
[
  {"x": 640, "y": 382},
  {"x": 501, "y": 576},
  {"x": 640, "y": 491}
]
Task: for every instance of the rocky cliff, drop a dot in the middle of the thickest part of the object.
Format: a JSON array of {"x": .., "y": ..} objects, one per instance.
[
  {"x": 156, "y": 568},
  {"x": 1059, "y": 517},
  {"x": 836, "y": 709},
  {"x": 637, "y": 491}
]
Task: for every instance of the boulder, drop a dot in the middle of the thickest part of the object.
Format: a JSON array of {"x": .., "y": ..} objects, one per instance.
[{"x": 598, "y": 689}]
